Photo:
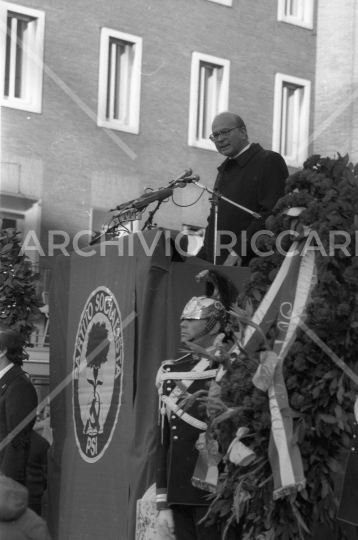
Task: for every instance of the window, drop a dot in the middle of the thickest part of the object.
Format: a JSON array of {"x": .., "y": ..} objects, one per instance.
[
  {"x": 23, "y": 214},
  {"x": 11, "y": 220},
  {"x": 298, "y": 12},
  {"x": 291, "y": 118},
  {"x": 209, "y": 95},
  {"x": 119, "y": 81},
  {"x": 23, "y": 43}
]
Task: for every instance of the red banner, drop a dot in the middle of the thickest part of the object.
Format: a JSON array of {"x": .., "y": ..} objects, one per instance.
[{"x": 114, "y": 319}]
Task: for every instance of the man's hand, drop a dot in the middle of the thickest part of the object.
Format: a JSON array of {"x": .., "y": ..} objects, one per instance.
[{"x": 166, "y": 523}]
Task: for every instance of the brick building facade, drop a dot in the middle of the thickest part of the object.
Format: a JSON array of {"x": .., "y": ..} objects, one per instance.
[
  {"x": 124, "y": 100},
  {"x": 61, "y": 157},
  {"x": 336, "y": 113}
]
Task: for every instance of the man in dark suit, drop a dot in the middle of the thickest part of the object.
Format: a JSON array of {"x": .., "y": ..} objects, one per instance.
[
  {"x": 184, "y": 478},
  {"x": 18, "y": 399},
  {"x": 251, "y": 177}
]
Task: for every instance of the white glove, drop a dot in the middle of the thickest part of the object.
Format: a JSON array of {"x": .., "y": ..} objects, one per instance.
[{"x": 166, "y": 523}]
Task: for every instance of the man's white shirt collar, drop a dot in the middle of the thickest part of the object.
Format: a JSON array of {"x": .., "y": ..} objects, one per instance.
[
  {"x": 5, "y": 370},
  {"x": 242, "y": 151}
]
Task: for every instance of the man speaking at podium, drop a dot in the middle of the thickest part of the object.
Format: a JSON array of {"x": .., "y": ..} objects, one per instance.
[{"x": 250, "y": 176}]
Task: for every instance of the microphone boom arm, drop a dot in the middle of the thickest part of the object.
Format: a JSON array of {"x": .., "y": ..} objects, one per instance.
[{"x": 219, "y": 196}]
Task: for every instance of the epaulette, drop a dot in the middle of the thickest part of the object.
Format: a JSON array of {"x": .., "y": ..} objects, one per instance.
[
  {"x": 166, "y": 363},
  {"x": 160, "y": 371},
  {"x": 182, "y": 357}
]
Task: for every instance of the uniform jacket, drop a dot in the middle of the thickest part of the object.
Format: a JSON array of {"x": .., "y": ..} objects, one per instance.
[
  {"x": 176, "y": 452},
  {"x": 255, "y": 180},
  {"x": 18, "y": 398}
]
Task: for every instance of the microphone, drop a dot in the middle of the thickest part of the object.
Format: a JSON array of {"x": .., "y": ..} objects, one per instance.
[
  {"x": 188, "y": 180},
  {"x": 133, "y": 202},
  {"x": 187, "y": 172},
  {"x": 147, "y": 198},
  {"x": 123, "y": 206}
]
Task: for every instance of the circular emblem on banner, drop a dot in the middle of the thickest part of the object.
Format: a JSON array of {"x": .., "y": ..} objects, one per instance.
[{"x": 97, "y": 374}]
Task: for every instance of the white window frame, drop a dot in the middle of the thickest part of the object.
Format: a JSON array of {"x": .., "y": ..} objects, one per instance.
[
  {"x": 304, "y": 18},
  {"x": 223, "y": 2},
  {"x": 223, "y": 101},
  {"x": 27, "y": 212},
  {"x": 33, "y": 50},
  {"x": 134, "y": 109},
  {"x": 300, "y": 153}
]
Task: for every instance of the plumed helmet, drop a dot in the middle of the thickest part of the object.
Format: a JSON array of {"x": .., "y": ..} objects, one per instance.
[
  {"x": 202, "y": 307},
  {"x": 220, "y": 294}
]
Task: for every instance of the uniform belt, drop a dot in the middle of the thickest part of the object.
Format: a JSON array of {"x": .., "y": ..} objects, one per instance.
[
  {"x": 189, "y": 375},
  {"x": 184, "y": 416}
]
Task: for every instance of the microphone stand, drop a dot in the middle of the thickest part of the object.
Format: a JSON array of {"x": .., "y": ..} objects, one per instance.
[
  {"x": 216, "y": 196},
  {"x": 124, "y": 215},
  {"x": 106, "y": 231},
  {"x": 127, "y": 210},
  {"x": 149, "y": 222},
  {"x": 215, "y": 203},
  {"x": 173, "y": 184}
]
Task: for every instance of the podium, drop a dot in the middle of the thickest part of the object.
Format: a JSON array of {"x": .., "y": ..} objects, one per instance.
[{"x": 115, "y": 313}]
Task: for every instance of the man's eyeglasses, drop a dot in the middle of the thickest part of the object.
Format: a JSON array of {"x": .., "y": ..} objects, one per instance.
[{"x": 224, "y": 133}]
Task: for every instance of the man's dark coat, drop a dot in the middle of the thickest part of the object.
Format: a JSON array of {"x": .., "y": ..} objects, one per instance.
[
  {"x": 18, "y": 399},
  {"x": 255, "y": 180}
]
